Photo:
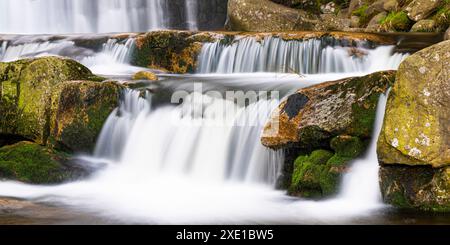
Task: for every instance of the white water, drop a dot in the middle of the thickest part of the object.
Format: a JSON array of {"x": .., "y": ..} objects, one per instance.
[
  {"x": 191, "y": 14},
  {"x": 304, "y": 57},
  {"x": 182, "y": 164},
  {"x": 195, "y": 164},
  {"x": 81, "y": 16},
  {"x": 113, "y": 59}
]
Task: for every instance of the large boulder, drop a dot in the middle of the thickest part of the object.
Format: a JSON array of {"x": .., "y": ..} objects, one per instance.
[
  {"x": 326, "y": 126},
  {"x": 26, "y": 88},
  {"x": 34, "y": 94},
  {"x": 344, "y": 107},
  {"x": 414, "y": 145},
  {"x": 79, "y": 110},
  {"x": 421, "y": 9},
  {"x": 32, "y": 163},
  {"x": 172, "y": 51},
  {"x": 416, "y": 127},
  {"x": 264, "y": 15}
]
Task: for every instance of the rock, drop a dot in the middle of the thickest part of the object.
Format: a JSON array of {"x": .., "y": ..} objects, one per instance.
[
  {"x": 26, "y": 88},
  {"x": 423, "y": 188},
  {"x": 447, "y": 34},
  {"x": 424, "y": 26},
  {"x": 78, "y": 113},
  {"x": 421, "y": 9},
  {"x": 396, "y": 21},
  {"x": 312, "y": 116},
  {"x": 331, "y": 22},
  {"x": 264, "y": 15},
  {"x": 318, "y": 175},
  {"x": 354, "y": 21},
  {"x": 374, "y": 24},
  {"x": 32, "y": 163},
  {"x": 173, "y": 51},
  {"x": 333, "y": 120},
  {"x": 329, "y": 8},
  {"x": 145, "y": 75},
  {"x": 390, "y": 5},
  {"x": 417, "y": 122}
]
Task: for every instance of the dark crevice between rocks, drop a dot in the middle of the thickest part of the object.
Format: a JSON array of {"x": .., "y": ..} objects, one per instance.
[{"x": 11, "y": 139}]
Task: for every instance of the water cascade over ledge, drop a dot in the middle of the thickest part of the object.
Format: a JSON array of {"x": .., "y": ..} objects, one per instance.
[
  {"x": 205, "y": 153},
  {"x": 313, "y": 56}
]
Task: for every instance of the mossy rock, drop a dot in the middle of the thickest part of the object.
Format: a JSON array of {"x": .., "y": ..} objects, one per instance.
[
  {"x": 32, "y": 163},
  {"x": 145, "y": 75},
  {"x": 266, "y": 16},
  {"x": 312, "y": 116},
  {"x": 26, "y": 88},
  {"x": 421, "y": 188},
  {"x": 173, "y": 51},
  {"x": 415, "y": 130},
  {"x": 396, "y": 21},
  {"x": 79, "y": 111},
  {"x": 319, "y": 174}
]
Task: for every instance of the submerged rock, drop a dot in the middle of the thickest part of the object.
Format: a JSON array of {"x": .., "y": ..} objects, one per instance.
[
  {"x": 414, "y": 145},
  {"x": 32, "y": 163},
  {"x": 329, "y": 125}
]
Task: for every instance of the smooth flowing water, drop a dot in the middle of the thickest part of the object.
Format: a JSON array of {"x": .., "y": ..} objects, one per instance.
[{"x": 201, "y": 161}]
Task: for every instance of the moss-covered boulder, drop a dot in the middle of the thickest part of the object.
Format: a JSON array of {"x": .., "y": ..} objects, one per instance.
[
  {"x": 32, "y": 163},
  {"x": 312, "y": 116},
  {"x": 424, "y": 188},
  {"x": 335, "y": 118},
  {"x": 421, "y": 9},
  {"x": 41, "y": 103},
  {"x": 414, "y": 145},
  {"x": 26, "y": 88},
  {"x": 172, "y": 51},
  {"x": 416, "y": 127},
  {"x": 264, "y": 15},
  {"x": 79, "y": 110}
]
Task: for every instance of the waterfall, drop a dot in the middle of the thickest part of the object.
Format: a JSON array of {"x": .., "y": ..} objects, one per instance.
[
  {"x": 191, "y": 14},
  {"x": 112, "y": 59},
  {"x": 88, "y": 16},
  {"x": 312, "y": 56}
]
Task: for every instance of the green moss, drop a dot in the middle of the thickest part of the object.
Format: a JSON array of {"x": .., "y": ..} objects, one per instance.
[
  {"x": 307, "y": 173},
  {"x": 174, "y": 51},
  {"x": 396, "y": 21},
  {"x": 30, "y": 83},
  {"x": 361, "y": 12},
  {"x": 32, "y": 163},
  {"x": 442, "y": 17},
  {"x": 347, "y": 146}
]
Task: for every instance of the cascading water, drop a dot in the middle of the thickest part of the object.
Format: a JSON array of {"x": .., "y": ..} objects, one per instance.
[
  {"x": 205, "y": 154},
  {"x": 112, "y": 59},
  {"x": 312, "y": 56},
  {"x": 191, "y": 14},
  {"x": 87, "y": 16}
]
